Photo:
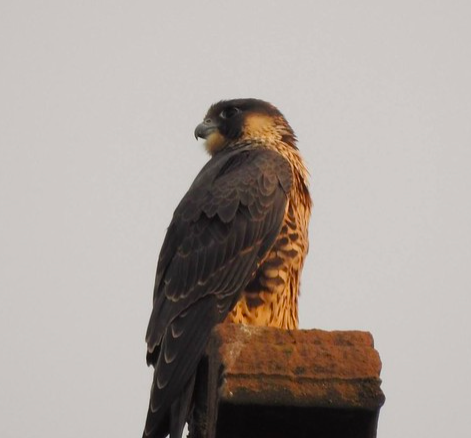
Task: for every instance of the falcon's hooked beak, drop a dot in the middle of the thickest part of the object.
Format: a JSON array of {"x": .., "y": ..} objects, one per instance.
[{"x": 203, "y": 130}]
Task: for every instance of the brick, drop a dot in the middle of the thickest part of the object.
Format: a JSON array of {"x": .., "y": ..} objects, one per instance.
[{"x": 314, "y": 382}]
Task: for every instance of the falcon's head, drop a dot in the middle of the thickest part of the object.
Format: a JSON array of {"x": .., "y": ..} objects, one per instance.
[{"x": 232, "y": 121}]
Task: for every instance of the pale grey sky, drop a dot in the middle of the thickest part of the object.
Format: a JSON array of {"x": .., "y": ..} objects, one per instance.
[{"x": 98, "y": 103}]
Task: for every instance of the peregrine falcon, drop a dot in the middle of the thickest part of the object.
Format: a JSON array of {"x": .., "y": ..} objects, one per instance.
[{"x": 233, "y": 252}]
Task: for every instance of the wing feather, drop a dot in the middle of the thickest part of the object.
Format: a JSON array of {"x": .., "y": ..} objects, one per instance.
[{"x": 219, "y": 234}]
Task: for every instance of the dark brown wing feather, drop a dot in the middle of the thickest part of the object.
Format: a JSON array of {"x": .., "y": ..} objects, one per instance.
[{"x": 220, "y": 232}]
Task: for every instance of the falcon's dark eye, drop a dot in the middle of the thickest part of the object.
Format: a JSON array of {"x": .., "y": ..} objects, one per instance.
[{"x": 229, "y": 112}]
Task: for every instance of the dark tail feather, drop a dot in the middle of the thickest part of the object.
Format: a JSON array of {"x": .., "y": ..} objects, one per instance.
[
  {"x": 180, "y": 409},
  {"x": 156, "y": 428},
  {"x": 159, "y": 424}
]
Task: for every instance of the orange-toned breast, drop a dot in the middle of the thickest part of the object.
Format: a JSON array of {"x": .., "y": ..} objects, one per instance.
[{"x": 271, "y": 298}]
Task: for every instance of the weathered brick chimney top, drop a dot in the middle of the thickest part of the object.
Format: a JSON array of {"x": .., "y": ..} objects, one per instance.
[{"x": 261, "y": 382}]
